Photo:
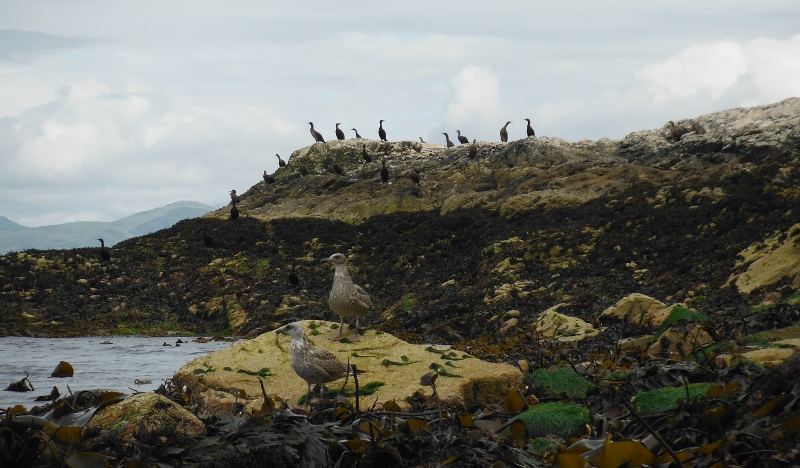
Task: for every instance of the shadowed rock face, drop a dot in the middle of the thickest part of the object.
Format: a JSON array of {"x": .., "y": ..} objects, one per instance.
[{"x": 523, "y": 226}]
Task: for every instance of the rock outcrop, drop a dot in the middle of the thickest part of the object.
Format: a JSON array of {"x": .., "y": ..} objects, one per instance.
[{"x": 391, "y": 371}]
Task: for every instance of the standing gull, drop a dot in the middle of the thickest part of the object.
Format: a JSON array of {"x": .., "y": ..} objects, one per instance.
[
  {"x": 504, "y": 132},
  {"x": 346, "y": 298},
  {"x": 312, "y": 364}
]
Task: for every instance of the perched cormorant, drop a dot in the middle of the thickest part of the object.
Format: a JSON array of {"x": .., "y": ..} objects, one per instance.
[
  {"x": 235, "y": 198},
  {"x": 384, "y": 173},
  {"x": 234, "y": 211},
  {"x": 414, "y": 176},
  {"x": 281, "y": 162},
  {"x": 338, "y": 170},
  {"x": 365, "y": 155},
  {"x": 461, "y": 138},
  {"x": 421, "y": 140},
  {"x": 504, "y": 132},
  {"x": 529, "y": 129},
  {"x": 208, "y": 240},
  {"x": 317, "y": 136},
  {"x": 303, "y": 170},
  {"x": 104, "y": 253},
  {"x": 268, "y": 179},
  {"x": 381, "y": 131},
  {"x": 673, "y": 131},
  {"x": 473, "y": 149},
  {"x": 339, "y": 132},
  {"x": 357, "y": 135},
  {"x": 292, "y": 276},
  {"x": 450, "y": 144}
]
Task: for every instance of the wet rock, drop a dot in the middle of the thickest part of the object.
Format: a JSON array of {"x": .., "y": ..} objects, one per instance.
[{"x": 63, "y": 369}]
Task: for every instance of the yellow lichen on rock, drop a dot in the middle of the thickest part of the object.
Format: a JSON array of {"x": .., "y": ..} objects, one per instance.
[
  {"x": 563, "y": 327},
  {"x": 771, "y": 261}
]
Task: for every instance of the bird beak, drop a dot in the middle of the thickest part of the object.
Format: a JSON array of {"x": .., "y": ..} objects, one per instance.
[
  {"x": 325, "y": 260},
  {"x": 281, "y": 330}
]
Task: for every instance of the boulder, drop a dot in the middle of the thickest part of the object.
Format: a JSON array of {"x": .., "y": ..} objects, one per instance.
[
  {"x": 637, "y": 308},
  {"x": 681, "y": 341},
  {"x": 563, "y": 327},
  {"x": 768, "y": 262},
  {"x": 147, "y": 417},
  {"x": 392, "y": 369}
]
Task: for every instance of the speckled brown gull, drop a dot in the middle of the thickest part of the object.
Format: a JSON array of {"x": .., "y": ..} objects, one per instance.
[
  {"x": 347, "y": 298},
  {"x": 312, "y": 364}
]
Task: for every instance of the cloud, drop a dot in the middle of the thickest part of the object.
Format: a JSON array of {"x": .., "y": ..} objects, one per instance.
[
  {"x": 475, "y": 97},
  {"x": 22, "y": 46},
  {"x": 760, "y": 70}
]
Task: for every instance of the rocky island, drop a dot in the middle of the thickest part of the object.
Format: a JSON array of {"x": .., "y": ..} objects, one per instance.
[{"x": 668, "y": 259}]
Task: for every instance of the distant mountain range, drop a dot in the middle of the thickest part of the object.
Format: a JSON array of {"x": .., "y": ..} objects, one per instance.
[{"x": 16, "y": 237}]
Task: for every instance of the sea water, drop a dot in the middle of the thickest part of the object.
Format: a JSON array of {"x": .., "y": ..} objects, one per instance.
[{"x": 116, "y": 365}]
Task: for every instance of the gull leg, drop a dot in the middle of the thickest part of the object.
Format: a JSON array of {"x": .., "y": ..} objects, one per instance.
[
  {"x": 341, "y": 329},
  {"x": 357, "y": 337}
]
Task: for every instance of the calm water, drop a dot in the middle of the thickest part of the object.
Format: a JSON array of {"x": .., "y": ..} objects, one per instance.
[{"x": 109, "y": 366}]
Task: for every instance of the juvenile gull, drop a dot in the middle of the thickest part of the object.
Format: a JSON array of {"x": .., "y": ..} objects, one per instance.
[
  {"x": 312, "y": 364},
  {"x": 347, "y": 298}
]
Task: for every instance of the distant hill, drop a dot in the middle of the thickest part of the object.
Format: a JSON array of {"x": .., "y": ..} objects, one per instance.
[{"x": 16, "y": 237}]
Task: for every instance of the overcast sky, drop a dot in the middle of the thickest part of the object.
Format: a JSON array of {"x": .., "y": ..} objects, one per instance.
[{"x": 108, "y": 108}]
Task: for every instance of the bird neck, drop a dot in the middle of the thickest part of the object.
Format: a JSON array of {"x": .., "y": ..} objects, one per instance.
[{"x": 342, "y": 273}]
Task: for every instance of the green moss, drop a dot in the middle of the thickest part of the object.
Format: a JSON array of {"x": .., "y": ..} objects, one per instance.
[
  {"x": 794, "y": 299},
  {"x": 559, "y": 419},
  {"x": 560, "y": 382},
  {"x": 678, "y": 314},
  {"x": 370, "y": 388},
  {"x": 667, "y": 398},
  {"x": 129, "y": 330},
  {"x": 227, "y": 368},
  {"x": 199, "y": 371},
  {"x": 441, "y": 370},
  {"x": 540, "y": 444},
  {"x": 409, "y": 301}
]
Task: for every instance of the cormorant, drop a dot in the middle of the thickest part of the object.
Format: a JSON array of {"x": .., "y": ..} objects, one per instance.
[
  {"x": 234, "y": 211},
  {"x": 303, "y": 170},
  {"x": 292, "y": 276},
  {"x": 365, "y": 155},
  {"x": 235, "y": 198},
  {"x": 414, "y": 176},
  {"x": 357, "y": 135},
  {"x": 673, "y": 131},
  {"x": 268, "y": 179},
  {"x": 473, "y": 149},
  {"x": 104, "y": 253},
  {"x": 338, "y": 170},
  {"x": 384, "y": 173},
  {"x": 450, "y": 144},
  {"x": 317, "y": 136},
  {"x": 339, "y": 132},
  {"x": 529, "y": 129},
  {"x": 421, "y": 140},
  {"x": 504, "y": 132},
  {"x": 381, "y": 131},
  {"x": 208, "y": 240},
  {"x": 281, "y": 162},
  {"x": 461, "y": 138}
]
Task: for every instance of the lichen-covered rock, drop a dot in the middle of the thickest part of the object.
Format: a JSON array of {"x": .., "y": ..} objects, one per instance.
[
  {"x": 147, "y": 417},
  {"x": 563, "y": 327},
  {"x": 637, "y": 308},
  {"x": 768, "y": 262},
  {"x": 681, "y": 341},
  {"x": 392, "y": 370}
]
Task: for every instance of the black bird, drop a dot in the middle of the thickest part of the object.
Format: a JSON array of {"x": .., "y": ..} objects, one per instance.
[
  {"x": 208, "y": 240},
  {"x": 450, "y": 144},
  {"x": 461, "y": 138},
  {"x": 292, "y": 276},
  {"x": 381, "y": 131},
  {"x": 421, "y": 140},
  {"x": 339, "y": 132},
  {"x": 303, "y": 170},
  {"x": 338, "y": 170},
  {"x": 268, "y": 179},
  {"x": 317, "y": 136},
  {"x": 234, "y": 211},
  {"x": 235, "y": 198},
  {"x": 414, "y": 176},
  {"x": 357, "y": 135},
  {"x": 504, "y": 132},
  {"x": 365, "y": 155},
  {"x": 530, "y": 129},
  {"x": 281, "y": 162},
  {"x": 473, "y": 150},
  {"x": 384, "y": 173},
  {"x": 104, "y": 253}
]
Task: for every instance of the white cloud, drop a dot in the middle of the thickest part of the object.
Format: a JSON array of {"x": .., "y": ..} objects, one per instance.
[
  {"x": 760, "y": 70},
  {"x": 475, "y": 97}
]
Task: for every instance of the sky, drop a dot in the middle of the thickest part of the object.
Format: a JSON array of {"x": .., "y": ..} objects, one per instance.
[{"x": 111, "y": 108}]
